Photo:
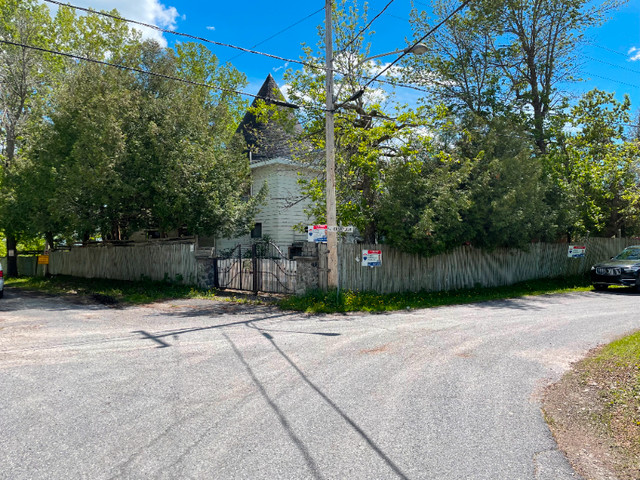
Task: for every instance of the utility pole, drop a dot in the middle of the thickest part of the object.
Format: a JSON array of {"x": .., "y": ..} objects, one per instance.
[{"x": 332, "y": 236}]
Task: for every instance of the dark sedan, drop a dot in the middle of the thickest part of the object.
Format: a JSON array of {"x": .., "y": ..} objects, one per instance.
[{"x": 623, "y": 269}]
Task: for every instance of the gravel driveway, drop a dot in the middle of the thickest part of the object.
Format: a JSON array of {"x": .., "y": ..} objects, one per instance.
[{"x": 217, "y": 390}]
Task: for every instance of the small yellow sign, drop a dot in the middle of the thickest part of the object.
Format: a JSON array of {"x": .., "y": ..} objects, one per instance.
[{"x": 43, "y": 259}]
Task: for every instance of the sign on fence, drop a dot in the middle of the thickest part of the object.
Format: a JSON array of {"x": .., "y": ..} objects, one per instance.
[
  {"x": 317, "y": 233},
  {"x": 371, "y": 258},
  {"x": 43, "y": 259},
  {"x": 577, "y": 251}
]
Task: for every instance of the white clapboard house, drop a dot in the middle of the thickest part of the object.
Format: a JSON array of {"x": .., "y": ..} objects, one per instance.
[{"x": 269, "y": 148}]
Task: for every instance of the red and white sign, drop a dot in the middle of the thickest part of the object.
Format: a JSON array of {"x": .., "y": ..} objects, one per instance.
[
  {"x": 317, "y": 234},
  {"x": 371, "y": 258}
]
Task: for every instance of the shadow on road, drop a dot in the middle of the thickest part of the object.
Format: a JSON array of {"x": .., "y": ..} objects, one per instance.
[
  {"x": 378, "y": 451},
  {"x": 158, "y": 338}
]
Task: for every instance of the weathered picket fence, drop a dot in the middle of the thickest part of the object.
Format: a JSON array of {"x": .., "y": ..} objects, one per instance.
[
  {"x": 162, "y": 261},
  {"x": 468, "y": 267},
  {"x": 463, "y": 268}
]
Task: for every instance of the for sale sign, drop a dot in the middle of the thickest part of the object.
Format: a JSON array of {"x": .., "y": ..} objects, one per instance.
[
  {"x": 371, "y": 258},
  {"x": 317, "y": 233},
  {"x": 577, "y": 251}
]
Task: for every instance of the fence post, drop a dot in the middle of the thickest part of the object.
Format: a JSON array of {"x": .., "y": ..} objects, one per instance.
[
  {"x": 254, "y": 266},
  {"x": 240, "y": 263},
  {"x": 216, "y": 278}
]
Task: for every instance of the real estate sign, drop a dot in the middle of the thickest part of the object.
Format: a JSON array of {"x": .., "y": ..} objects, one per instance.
[
  {"x": 371, "y": 258},
  {"x": 317, "y": 233},
  {"x": 577, "y": 251}
]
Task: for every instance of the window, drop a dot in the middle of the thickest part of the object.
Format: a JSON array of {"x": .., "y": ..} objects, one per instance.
[{"x": 256, "y": 232}]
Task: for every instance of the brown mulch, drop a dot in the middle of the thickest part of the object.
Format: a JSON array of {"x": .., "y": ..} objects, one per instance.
[{"x": 594, "y": 415}]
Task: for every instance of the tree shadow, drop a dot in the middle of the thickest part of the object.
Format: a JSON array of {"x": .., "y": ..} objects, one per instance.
[{"x": 520, "y": 303}]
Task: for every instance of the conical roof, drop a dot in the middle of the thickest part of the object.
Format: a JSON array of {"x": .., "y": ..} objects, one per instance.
[{"x": 270, "y": 139}]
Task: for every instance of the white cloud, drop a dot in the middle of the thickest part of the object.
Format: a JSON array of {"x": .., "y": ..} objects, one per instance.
[
  {"x": 148, "y": 11},
  {"x": 634, "y": 53},
  {"x": 276, "y": 69},
  {"x": 211, "y": 28}
]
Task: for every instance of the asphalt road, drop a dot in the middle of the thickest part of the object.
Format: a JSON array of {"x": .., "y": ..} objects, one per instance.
[{"x": 215, "y": 390}]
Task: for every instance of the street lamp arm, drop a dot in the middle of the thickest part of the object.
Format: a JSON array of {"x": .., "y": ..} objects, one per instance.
[{"x": 417, "y": 49}]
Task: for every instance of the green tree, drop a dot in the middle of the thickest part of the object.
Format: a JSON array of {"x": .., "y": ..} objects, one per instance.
[
  {"x": 507, "y": 56},
  {"x": 22, "y": 78},
  {"x": 125, "y": 151},
  {"x": 370, "y": 130},
  {"x": 486, "y": 191},
  {"x": 597, "y": 169}
]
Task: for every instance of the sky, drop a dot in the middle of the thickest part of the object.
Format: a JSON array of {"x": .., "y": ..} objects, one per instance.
[{"x": 610, "y": 60}]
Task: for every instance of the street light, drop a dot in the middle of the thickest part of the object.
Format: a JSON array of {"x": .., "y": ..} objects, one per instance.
[{"x": 332, "y": 236}]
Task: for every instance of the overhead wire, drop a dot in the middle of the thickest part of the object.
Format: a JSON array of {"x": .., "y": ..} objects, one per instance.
[
  {"x": 213, "y": 42},
  {"x": 150, "y": 73},
  {"x": 173, "y": 32},
  {"x": 612, "y": 80},
  {"x": 611, "y": 64},
  {"x": 424, "y": 37},
  {"x": 350, "y": 42},
  {"x": 278, "y": 33},
  {"x": 611, "y": 50}
]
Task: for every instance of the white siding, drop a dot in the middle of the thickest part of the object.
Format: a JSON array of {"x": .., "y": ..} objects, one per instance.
[{"x": 282, "y": 209}]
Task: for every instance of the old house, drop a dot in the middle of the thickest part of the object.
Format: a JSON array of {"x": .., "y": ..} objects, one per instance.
[{"x": 271, "y": 159}]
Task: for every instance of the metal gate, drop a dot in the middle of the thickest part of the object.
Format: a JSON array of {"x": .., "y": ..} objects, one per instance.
[{"x": 261, "y": 267}]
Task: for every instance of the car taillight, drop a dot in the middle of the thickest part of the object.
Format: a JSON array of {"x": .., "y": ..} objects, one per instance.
[{"x": 0, "y": 273}]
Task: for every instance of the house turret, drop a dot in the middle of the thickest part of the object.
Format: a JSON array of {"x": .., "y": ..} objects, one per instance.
[{"x": 271, "y": 139}]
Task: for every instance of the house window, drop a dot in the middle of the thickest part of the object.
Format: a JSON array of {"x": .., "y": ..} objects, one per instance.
[{"x": 256, "y": 232}]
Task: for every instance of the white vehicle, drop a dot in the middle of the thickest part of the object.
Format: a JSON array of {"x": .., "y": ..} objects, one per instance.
[{"x": 1, "y": 282}]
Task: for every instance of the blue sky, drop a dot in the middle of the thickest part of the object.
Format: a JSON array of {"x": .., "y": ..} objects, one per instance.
[{"x": 611, "y": 61}]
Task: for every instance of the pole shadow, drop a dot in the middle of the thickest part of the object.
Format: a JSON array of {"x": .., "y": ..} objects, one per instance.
[{"x": 395, "y": 468}]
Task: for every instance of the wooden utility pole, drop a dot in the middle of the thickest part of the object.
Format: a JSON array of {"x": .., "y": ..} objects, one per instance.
[{"x": 332, "y": 236}]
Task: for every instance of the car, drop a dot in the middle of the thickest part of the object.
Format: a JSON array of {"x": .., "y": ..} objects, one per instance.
[
  {"x": 1, "y": 282},
  {"x": 623, "y": 269}
]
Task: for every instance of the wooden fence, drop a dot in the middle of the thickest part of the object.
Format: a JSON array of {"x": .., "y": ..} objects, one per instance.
[
  {"x": 467, "y": 267},
  {"x": 463, "y": 268},
  {"x": 161, "y": 261},
  {"x": 27, "y": 265}
]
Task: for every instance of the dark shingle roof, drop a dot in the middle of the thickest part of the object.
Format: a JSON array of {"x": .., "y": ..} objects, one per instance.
[{"x": 267, "y": 140}]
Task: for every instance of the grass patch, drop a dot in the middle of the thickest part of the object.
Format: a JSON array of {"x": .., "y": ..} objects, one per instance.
[
  {"x": 119, "y": 291},
  {"x": 598, "y": 403},
  {"x": 110, "y": 291},
  {"x": 348, "y": 301}
]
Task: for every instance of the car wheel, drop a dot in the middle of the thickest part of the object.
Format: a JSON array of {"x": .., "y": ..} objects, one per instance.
[
  {"x": 1, "y": 293},
  {"x": 599, "y": 287}
]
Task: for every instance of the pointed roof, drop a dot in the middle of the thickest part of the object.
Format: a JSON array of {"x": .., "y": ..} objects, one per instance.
[{"x": 272, "y": 139}]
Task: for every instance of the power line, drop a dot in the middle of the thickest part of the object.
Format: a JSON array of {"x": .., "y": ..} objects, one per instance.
[
  {"x": 463, "y": 5},
  {"x": 608, "y": 49},
  {"x": 612, "y": 80},
  {"x": 244, "y": 50},
  {"x": 147, "y": 72},
  {"x": 278, "y": 33},
  {"x": 172, "y": 32},
  {"x": 612, "y": 64},
  {"x": 365, "y": 27}
]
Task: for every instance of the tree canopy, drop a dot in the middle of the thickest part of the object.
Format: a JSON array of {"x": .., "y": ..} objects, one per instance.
[
  {"x": 493, "y": 154},
  {"x": 93, "y": 151}
]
